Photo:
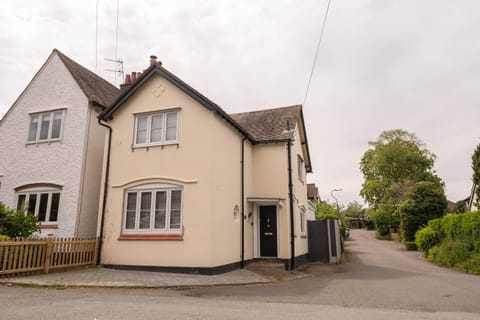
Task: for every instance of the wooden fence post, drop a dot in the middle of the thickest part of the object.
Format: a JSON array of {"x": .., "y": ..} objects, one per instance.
[
  {"x": 48, "y": 254},
  {"x": 95, "y": 252}
]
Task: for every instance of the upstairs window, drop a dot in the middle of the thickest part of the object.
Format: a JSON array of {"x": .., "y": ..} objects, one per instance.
[
  {"x": 45, "y": 126},
  {"x": 42, "y": 204},
  {"x": 301, "y": 168},
  {"x": 156, "y": 129}
]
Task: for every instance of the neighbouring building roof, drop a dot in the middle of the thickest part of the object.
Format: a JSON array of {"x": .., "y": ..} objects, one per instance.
[
  {"x": 312, "y": 192},
  {"x": 97, "y": 89}
]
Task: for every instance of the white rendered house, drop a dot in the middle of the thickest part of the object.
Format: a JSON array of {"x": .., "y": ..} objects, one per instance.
[{"x": 51, "y": 147}]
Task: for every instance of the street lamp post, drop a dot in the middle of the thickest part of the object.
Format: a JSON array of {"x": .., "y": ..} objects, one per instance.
[{"x": 336, "y": 201}]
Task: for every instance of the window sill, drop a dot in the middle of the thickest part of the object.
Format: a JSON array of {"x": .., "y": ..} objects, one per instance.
[
  {"x": 37, "y": 142},
  {"x": 167, "y": 237},
  {"x": 48, "y": 226},
  {"x": 155, "y": 146},
  {"x": 303, "y": 236}
]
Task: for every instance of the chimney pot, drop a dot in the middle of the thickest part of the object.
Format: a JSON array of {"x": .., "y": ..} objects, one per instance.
[
  {"x": 153, "y": 59},
  {"x": 128, "y": 79},
  {"x": 134, "y": 76}
]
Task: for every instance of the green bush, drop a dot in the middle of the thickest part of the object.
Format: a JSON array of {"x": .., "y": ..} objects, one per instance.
[
  {"x": 385, "y": 218},
  {"x": 451, "y": 253},
  {"x": 453, "y": 241},
  {"x": 16, "y": 224},
  {"x": 410, "y": 245},
  {"x": 472, "y": 264},
  {"x": 426, "y": 238},
  {"x": 2, "y": 237},
  {"x": 423, "y": 202}
]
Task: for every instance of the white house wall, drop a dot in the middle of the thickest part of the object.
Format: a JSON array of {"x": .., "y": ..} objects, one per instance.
[
  {"x": 92, "y": 167},
  {"x": 56, "y": 162}
]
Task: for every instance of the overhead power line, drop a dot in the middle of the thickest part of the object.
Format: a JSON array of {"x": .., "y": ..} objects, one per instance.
[{"x": 324, "y": 23}]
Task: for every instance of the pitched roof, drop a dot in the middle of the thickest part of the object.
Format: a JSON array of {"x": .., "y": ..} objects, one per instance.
[
  {"x": 276, "y": 125},
  {"x": 263, "y": 126},
  {"x": 157, "y": 68},
  {"x": 269, "y": 125},
  {"x": 96, "y": 89}
]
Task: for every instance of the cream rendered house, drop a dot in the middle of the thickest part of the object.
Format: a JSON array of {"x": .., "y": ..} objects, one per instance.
[
  {"x": 51, "y": 147},
  {"x": 193, "y": 189}
]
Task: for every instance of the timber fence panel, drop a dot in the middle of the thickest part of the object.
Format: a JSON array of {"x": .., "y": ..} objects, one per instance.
[{"x": 19, "y": 256}]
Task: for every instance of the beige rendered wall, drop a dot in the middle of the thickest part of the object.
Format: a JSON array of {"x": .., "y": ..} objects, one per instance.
[
  {"x": 206, "y": 162},
  {"x": 300, "y": 197},
  {"x": 91, "y": 178},
  {"x": 226, "y": 192},
  {"x": 270, "y": 180}
]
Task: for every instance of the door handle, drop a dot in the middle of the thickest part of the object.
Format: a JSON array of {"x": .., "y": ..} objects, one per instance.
[{"x": 268, "y": 233}]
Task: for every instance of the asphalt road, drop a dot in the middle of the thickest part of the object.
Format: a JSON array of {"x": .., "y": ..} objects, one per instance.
[
  {"x": 377, "y": 274},
  {"x": 379, "y": 281}
]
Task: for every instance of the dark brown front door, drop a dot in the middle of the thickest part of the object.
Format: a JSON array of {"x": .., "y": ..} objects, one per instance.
[{"x": 268, "y": 231}]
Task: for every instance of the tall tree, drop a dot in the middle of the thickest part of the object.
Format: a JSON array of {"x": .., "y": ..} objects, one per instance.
[
  {"x": 393, "y": 163},
  {"x": 476, "y": 170}
]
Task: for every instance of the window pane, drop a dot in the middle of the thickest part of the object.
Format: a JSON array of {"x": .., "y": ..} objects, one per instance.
[
  {"x": 131, "y": 209},
  {"x": 32, "y": 201},
  {"x": 45, "y": 126},
  {"x": 160, "y": 208},
  {"x": 57, "y": 124},
  {"x": 176, "y": 199},
  {"x": 145, "y": 208},
  {"x": 171, "y": 134},
  {"x": 42, "y": 210},
  {"x": 21, "y": 202},
  {"x": 54, "y": 207},
  {"x": 32, "y": 134},
  {"x": 175, "y": 212},
  {"x": 141, "y": 135},
  {"x": 156, "y": 134}
]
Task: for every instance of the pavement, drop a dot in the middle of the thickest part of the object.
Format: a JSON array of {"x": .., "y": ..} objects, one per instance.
[{"x": 111, "y": 278}]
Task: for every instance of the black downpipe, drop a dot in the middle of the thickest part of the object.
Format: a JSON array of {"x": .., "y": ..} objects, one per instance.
[
  {"x": 242, "y": 261},
  {"x": 290, "y": 200},
  {"x": 105, "y": 189}
]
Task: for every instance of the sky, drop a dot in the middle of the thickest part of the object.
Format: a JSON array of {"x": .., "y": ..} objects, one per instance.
[{"x": 382, "y": 64}]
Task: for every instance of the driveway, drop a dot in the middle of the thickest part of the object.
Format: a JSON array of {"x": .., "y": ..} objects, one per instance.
[{"x": 377, "y": 274}]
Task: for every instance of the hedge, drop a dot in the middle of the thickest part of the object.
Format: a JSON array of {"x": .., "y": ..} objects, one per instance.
[{"x": 453, "y": 240}]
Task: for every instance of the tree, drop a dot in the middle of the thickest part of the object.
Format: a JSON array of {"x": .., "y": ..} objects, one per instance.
[
  {"x": 354, "y": 214},
  {"x": 325, "y": 210},
  {"x": 423, "y": 202},
  {"x": 397, "y": 160},
  {"x": 16, "y": 224},
  {"x": 476, "y": 170},
  {"x": 460, "y": 207},
  {"x": 394, "y": 163}
]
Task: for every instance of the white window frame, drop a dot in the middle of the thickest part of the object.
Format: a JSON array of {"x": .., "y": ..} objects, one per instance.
[
  {"x": 38, "y": 193},
  {"x": 50, "y": 126},
  {"x": 149, "y": 117},
  {"x": 300, "y": 168},
  {"x": 303, "y": 224},
  {"x": 153, "y": 189}
]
